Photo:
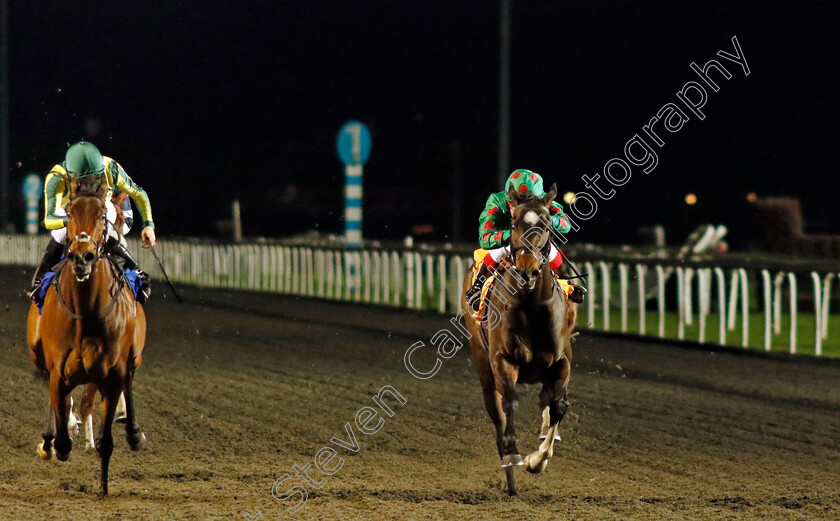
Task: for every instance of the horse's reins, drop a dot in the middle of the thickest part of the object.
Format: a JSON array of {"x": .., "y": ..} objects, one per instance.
[{"x": 100, "y": 248}]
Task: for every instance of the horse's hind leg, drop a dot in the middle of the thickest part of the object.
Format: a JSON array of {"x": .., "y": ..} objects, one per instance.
[
  {"x": 45, "y": 448},
  {"x": 86, "y": 412},
  {"x": 135, "y": 437},
  {"x": 110, "y": 390}
]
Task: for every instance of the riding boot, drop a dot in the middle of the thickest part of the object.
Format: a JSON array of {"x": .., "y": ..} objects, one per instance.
[
  {"x": 473, "y": 295},
  {"x": 52, "y": 254},
  {"x": 577, "y": 293},
  {"x": 118, "y": 251}
]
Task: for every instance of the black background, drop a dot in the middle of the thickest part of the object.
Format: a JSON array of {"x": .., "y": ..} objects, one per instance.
[{"x": 205, "y": 101}]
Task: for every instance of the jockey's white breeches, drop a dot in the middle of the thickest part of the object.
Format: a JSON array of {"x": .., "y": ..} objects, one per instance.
[{"x": 498, "y": 253}]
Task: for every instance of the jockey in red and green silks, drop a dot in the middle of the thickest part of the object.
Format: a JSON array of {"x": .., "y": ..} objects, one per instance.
[{"x": 494, "y": 227}]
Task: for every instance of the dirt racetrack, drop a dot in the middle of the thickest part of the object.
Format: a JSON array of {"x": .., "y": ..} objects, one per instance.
[{"x": 231, "y": 399}]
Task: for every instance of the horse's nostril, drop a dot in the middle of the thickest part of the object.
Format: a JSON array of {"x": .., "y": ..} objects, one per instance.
[
  {"x": 89, "y": 256},
  {"x": 535, "y": 274},
  {"x": 72, "y": 257}
]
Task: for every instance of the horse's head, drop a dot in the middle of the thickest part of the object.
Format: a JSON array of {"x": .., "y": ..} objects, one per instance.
[
  {"x": 530, "y": 233},
  {"x": 86, "y": 227}
]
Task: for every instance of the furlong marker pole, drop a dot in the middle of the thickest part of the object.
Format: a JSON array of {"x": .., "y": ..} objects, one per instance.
[{"x": 353, "y": 206}]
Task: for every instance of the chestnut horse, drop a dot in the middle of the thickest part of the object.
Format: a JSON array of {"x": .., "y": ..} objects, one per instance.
[
  {"x": 527, "y": 338},
  {"x": 91, "y": 331}
]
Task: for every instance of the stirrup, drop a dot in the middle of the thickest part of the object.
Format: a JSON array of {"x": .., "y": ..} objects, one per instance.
[{"x": 31, "y": 292}]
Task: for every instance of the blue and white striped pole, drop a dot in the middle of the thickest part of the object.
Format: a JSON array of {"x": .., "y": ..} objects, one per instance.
[
  {"x": 353, "y": 206},
  {"x": 354, "y": 144},
  {"x": 32, "y": 194}
]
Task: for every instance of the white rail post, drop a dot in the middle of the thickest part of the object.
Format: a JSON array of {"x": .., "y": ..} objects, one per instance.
[
  {"x": 409, "y": 278},
  {"x": 680, "y": 303},
  {"x": 367, "y": 274},
  {"x": 641, "y": 273},
  {"x": 768, "y": 306},
  {"x": 330, "y": 268},
  {"x": 660, "y": 298},
  {"x": 704, "y": 298},
  {"x": 815, "y": 277},
  {"x": 793, "y": 310},
  {"x": 377, "y": 276},
  {"x": 429, "y": 274},
  {"x": 441, "y": 262},
  {"x": 386, "y": 277},
  {"x": 623, "y": 271},
  {"x": 687, "y": 293},
  {"x": 310, "y": 256},
  {"x": 826, "y": 303},
  {"x": 721, "y": 286},
  {"x": 777, "y": 302},
  {"x": 397, "y": 274},
  {"x": 593, "y": 294},
  {"x": 339, "y": 275},
  {"x": 357, "y": 272},
  {"x": 745, "y": 308},
  {"x": 605, "y": 281},
  {"x": 733, "y": 299},
  {"x": 418, "y": 283}
]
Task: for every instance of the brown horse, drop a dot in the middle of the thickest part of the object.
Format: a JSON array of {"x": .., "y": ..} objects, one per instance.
[
  {"x": 91, "y": 331},
  {"x": 527, "y": 338}
]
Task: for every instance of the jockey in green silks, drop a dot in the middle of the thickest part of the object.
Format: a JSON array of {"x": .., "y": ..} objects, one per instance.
[
  {"x": 494, "y": 228},
  {"x": 83, "y": 159}
]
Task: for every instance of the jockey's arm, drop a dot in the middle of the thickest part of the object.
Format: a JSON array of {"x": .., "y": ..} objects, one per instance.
[
  {"x": 490, "y": 232},
  {"x": 140, "y": 198},
  {"x": 54, "y": 186}
]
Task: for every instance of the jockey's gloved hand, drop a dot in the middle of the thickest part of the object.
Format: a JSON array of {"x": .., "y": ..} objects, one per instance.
[{"x": 558, "y": 221}]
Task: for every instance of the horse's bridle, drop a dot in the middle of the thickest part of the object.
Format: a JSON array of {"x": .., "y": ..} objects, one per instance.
[{"x": 100, "y": 249}]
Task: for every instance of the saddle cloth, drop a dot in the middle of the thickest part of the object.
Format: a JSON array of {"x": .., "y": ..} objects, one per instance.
[
  {"x": 131, "y": 276},
  {"x": 487, "y": 288}
]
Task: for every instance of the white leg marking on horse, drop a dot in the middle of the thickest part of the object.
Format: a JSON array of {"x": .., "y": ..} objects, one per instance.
[
  {"x": 89, "y": 442},
  {"x": 537, "y": 460}
]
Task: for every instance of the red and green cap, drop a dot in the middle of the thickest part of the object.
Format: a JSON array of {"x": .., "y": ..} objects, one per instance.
[{"x": 525, "y": 182}]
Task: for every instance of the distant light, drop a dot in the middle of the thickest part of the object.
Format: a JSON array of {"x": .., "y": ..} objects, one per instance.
[
  {"x": 752, "y": 197},
  {"x": 569, "y": 197},
  {"x": 690, "y": 199}
]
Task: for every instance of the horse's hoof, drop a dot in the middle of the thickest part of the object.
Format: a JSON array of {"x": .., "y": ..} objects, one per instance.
[
  {"x": 533, "y": 465},
  {"x": 556, "y": 437},
  {"x": 512, "y": 460},
  {"x": 121, "y": 417},
  {"x": 136, "y": 441},
  {"x": 45, "y": 455},
  {"x": 63, "y": 455}
]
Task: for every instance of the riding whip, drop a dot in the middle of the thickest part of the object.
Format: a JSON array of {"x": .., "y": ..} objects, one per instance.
[{"x": 160, "y": 265}]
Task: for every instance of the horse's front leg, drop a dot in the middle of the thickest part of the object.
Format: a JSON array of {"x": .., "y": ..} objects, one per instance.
[
  {"x": 60, "y": 399},
  {"x": 555, "y": 403},
  {"x": 110, "y": 390},
  {"x": 506, "y": 375}
]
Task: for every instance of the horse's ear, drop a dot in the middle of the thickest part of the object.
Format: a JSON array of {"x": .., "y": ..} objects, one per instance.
[
  {"x": 513, "y": 195},
  {"x": 552, "y": 193},
  {"x": 118, "y": 199}
]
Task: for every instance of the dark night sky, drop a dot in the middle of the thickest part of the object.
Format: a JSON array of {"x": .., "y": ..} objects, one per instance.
[{"x": 204, "y": 101}]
